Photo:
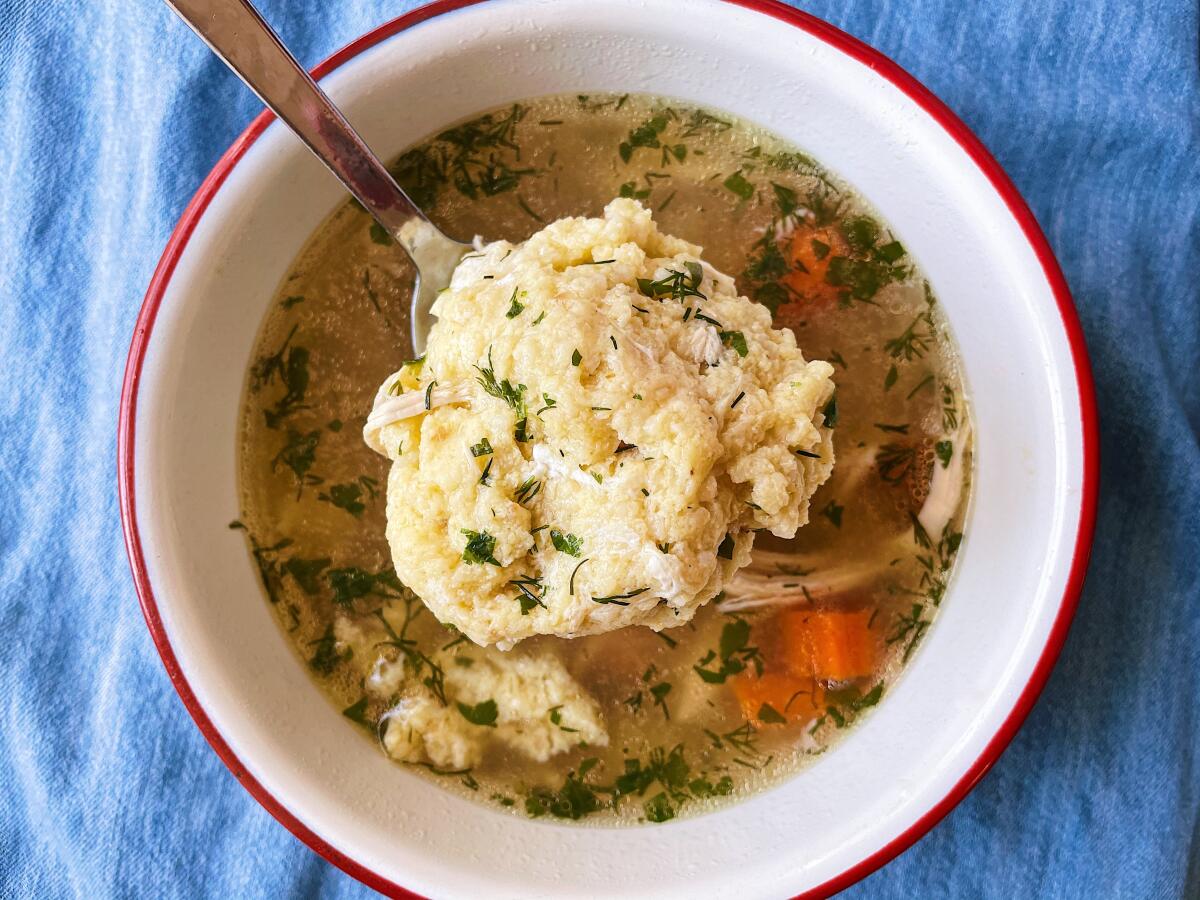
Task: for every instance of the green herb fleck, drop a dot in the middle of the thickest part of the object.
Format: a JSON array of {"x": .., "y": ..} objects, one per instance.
[
  {"x": 771, "y": 716},
  {"x": 567, "y": 543},
  {"x": 529, "y": 489},
  {"x": 830, "y": 412},
  {"x": 380, "y": 235},
  {"x": 739, "y": 185},
  {"x": 736, "y": 340},
  {"x": 732, "y": 656},
  {"x": 480, "y": 548},
  {"x": 833, "y": 512},
  {"x": 327, "y": 657},
  {"x": 620, "y": 599},
  {"x": 483, "y": 714},
  {"x": 357, "y": 712},
  {"x": 515, "y": 307},
  {"x": 575, "y": 572},
  {"x": 890, "y": 379}
]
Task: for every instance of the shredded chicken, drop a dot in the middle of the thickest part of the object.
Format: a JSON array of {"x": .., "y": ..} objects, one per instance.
[{"x": 390, "y": 409}]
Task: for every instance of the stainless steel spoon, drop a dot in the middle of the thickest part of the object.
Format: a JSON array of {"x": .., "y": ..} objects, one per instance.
[{"x": 235, "y": 31}]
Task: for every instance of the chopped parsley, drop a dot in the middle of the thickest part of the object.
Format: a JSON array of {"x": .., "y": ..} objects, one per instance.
[
  {"x": 515, "y": 307},
  {"x": 481, "y": 548},
  {"x": 732, "y": 655},
  {"x": 483, "y": 714},
  {"x": 349, "y": 496},
  {"x": 298, "y": 454},
  {"x": 676, "y": 285},
  {"x": 351, "y": 583},
  {"x": 833, "y": 512},
  {"x": 736, "y": 340},
  {"x": 357, "y": 712},
  {"x": 380, "y": 235},
  {"x": 739, "y": 185},
  {"x": 288, "y": 365},
  {"x": 327, "y": 657},
  {"x": 568, "y": 543},
  {"x": 555, "y": 714},
  {"x": 483, "y": 448},
  {"x": 830, "y": 412},
  {"x": 770, "y": 715},
  {"x": 573, "y": 800}
]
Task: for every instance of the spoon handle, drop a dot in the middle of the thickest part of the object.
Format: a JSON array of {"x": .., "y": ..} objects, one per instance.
[{"x": 235, "y": 31}]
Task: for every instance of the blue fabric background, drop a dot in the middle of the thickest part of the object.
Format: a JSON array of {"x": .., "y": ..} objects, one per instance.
[{"x": 112, "y": 115}]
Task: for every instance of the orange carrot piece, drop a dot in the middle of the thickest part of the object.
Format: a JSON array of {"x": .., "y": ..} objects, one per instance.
[
  {"x": 810, "y": 252},
  {"x": 830, "y": 645},
  {"x": 777, "y": 698}
]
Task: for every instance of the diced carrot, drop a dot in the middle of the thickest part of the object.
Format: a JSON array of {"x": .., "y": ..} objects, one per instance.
[
  {"x": 830, "y": 645},
  {"x": 773, "y": 696},
  {"x": 810, "y": 252}
]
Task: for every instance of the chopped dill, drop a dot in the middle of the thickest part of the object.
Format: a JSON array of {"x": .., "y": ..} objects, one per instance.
[
  {"x": 620, "y": 599},
  {"x": 575, "y": 572},
  {"x": 529, "y": 489}
]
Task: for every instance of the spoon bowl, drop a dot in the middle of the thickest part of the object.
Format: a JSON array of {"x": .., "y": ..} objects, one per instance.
[{"x": 237, "y": 33}]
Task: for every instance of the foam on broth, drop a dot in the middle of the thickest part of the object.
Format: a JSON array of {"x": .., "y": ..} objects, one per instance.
[{"x": 797, "y": 239}]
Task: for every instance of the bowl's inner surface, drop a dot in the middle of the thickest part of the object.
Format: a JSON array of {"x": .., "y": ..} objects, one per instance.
[
  {"x": 977, "y": 660},
  {"x": 793, "y": 653}
]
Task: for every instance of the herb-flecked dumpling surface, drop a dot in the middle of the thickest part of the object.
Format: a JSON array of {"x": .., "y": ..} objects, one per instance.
[{"x": 598, "y": 427}]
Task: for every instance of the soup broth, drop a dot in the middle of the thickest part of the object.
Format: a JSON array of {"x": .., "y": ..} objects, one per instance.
[{"x": 809, "y": 637}]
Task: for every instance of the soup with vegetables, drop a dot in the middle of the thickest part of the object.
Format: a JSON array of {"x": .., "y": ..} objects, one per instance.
[{"x": 720, "y": 697}]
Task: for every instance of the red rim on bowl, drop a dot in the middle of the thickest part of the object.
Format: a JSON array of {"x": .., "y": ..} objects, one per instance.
[{"x": 841, "y": 41}]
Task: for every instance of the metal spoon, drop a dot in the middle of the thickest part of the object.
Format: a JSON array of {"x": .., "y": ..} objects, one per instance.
[{"x": 235, "y": 31}]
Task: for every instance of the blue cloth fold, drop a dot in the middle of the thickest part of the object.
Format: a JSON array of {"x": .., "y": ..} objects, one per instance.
[{"x": 113, "y": 113}]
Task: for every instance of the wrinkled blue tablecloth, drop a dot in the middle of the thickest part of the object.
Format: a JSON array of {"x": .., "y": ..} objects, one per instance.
[{"x": 112, "y": 115}]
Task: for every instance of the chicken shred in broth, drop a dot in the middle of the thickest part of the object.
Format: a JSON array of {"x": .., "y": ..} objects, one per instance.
[{"x": 805, "y": 641}]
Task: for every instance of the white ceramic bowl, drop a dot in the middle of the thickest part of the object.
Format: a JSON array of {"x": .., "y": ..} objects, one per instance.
[{"x": 1020, "y": 568}]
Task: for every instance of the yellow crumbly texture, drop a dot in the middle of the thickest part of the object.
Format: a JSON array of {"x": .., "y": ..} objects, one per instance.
[
  {"x": 540, "y": 711},
  {"x": 648, "y": 435}
]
